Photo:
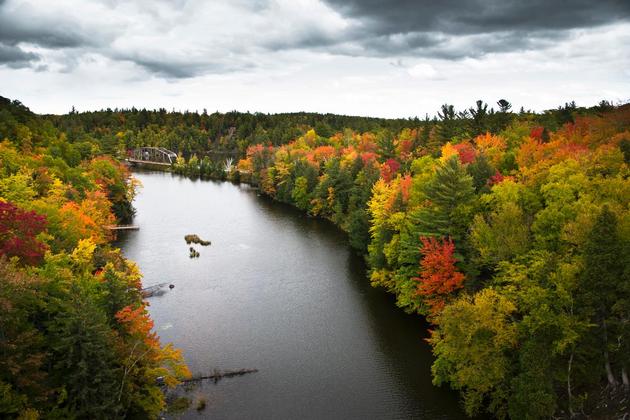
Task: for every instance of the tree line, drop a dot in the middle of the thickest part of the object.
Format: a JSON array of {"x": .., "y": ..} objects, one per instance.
[
  {"x": 512, "y": 240},
  {"x": 509, "y": 231}
]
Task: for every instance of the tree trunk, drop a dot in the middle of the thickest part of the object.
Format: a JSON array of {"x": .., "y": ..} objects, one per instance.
[
  {"x": 569, "y": 391},
  {"x": 624, "y": 378},
  {"x": 609, "y": 373}
]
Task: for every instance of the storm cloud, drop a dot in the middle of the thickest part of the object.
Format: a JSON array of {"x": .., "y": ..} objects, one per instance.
[
  {"x": 187, "y": 38},
  {"x": 25, "y": 26},
  {"x": 453, "y": 29},
  {"x": 15, "y": 57},
  {"x": 342, "y": 44},
  {"x": 456, "y": 17}
]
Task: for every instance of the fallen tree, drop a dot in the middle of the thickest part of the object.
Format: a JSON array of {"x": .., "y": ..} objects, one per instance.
[{"x": 217, "y": 375}]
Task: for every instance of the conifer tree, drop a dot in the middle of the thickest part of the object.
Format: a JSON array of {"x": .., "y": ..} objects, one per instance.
[
  {"x": 605, "y": 287},
  {"x": 450, "y": 194},
  {"x": 84, "y": 361}
]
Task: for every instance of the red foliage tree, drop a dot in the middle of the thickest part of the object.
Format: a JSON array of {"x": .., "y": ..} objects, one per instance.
[
  {"x": 18, "y": 232},
  {"x": 389, "y": 169},
  {"x": 404, "y": 148},
  {"x": 538, "y": 133},
  {"x": 497, "y": 178},
  {"x": 368, "y": 157},
  {"x": 467, "y": 153},
  {"x": 439, "y": 277}
]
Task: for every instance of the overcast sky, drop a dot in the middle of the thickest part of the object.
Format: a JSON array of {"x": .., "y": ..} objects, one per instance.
[{"x": 396, "y": 58}]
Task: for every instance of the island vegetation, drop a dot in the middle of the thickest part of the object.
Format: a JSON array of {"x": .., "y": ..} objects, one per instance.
[
  {"x": 508, "y": 231},
  {"x": 195, "y": 239}
]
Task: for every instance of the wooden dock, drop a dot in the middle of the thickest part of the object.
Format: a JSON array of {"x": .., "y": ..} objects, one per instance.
[{"x": 124, "y": 227}]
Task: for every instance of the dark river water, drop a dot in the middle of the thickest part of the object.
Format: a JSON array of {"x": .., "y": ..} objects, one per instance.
[{"x": 281, "y": 293}]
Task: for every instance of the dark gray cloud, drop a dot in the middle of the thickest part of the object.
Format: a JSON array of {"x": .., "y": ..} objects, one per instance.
[
  {"x": 14, "y": 32},
  {"x": 480, "y": 16},
  {"x": 178, "y": 39},
  {"x": 68, "y": 37},
  {"x": 182, "y": 69},
  {"x": 167, "y": 68},
  {"x": 24, "y": 24},
  {"x": 310, "y": 38},
  {"x": 447, "y": 47},
  {"x": 454, "y": 29},
  {"x": 15, "y": 57}
]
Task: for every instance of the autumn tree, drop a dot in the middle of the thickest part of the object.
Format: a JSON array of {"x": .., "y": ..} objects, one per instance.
[
  {"x": 116, "y": 181},
  {"x": 439, "y": 278},
  {"x": 144, "y": 360},
  {"x": 472, "y": 346},
  {"x": 18, "y": 233},
  {"x": 23, "y": 377}
]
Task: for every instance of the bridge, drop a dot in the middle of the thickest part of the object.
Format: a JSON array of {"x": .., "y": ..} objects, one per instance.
[{"x": 152, "y": 155}]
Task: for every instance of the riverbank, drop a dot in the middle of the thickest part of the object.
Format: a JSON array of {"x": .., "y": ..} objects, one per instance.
[
  {"x": 281, "y": 293},
  {"x": 465, "y": 230}
]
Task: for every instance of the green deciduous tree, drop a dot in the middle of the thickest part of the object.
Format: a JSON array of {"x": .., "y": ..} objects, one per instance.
[
  {"x": 300, "y": 194},
  {"x": 472, "y": 345}
]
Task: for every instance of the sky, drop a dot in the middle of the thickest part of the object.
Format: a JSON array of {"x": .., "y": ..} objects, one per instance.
[{"x": 399, "y": 58}]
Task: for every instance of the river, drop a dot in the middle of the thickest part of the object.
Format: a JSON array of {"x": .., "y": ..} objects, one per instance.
[{"x": 282, "y": 293}]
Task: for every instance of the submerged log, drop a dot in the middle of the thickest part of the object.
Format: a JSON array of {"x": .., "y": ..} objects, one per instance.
[
  {"x": 155, "y": 290},
  {"x": 217, "y": 375}
]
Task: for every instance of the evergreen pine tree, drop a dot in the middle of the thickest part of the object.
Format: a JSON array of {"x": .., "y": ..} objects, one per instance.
[{"x": 84, "y": 361}]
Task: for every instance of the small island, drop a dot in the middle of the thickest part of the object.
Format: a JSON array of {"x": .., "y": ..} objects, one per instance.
[{"x": 195, "y": 239}]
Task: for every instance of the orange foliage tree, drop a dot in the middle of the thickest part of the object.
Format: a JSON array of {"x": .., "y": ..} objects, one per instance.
[{"x": 144, "y": 356}]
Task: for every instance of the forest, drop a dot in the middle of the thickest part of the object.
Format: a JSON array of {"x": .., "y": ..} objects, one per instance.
[
  {"x": 76, "y": 340},
  {"x": 508, "y": 231}
]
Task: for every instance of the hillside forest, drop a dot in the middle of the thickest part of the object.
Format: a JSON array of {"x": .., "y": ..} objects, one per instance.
[{"x": 508, "y": 231}]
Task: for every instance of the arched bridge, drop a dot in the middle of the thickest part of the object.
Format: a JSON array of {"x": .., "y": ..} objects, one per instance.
[{"x": 152, "y": 155}]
